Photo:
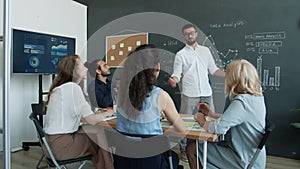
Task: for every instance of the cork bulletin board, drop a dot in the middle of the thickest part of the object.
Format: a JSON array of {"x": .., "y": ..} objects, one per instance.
[{"x": 119, "y": 46}]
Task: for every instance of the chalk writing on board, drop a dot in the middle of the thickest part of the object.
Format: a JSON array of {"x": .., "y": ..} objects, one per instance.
[
  {"x": 171, "y": 43},
  {"x": 232, "y": 24},
  {"x": 265, "y": 42},
  {"x": 266, "y": 35},
  {"x": 229, "y": 56},
  {"x": 167, "y": 60},
  {"x": 269, "y": 80},
  {"x": 208, "y": 38},
  {"x": 222, "y": 59}
]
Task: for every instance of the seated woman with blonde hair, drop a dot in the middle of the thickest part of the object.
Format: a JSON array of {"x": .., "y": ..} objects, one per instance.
[{"x": 243, "y": 122}]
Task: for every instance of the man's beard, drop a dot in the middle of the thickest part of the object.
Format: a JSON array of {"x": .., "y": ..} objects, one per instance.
[
  {"x": 191, "y": 42},
  {"x": 105, "y": 74}
]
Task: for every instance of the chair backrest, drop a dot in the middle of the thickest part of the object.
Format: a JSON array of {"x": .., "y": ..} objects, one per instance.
[
  {"x": 135, "y": 147},
  {"x": 37, "y": 110},
  {"x": 38, "y": 126},
  {"x": 270, "y": 126}
]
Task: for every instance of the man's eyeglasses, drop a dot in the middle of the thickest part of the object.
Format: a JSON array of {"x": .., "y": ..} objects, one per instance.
[{"x": 189, "y": 33}]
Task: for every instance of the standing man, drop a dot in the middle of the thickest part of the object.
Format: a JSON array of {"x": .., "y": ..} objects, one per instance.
[{"x": 193, "y": 63}]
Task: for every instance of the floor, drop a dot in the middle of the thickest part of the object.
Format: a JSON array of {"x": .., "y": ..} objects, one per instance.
[{"x": 28, "y": 160}]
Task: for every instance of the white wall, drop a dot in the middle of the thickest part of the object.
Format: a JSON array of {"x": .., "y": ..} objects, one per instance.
[
  {"x": 1, "y": 75},
  {"x": 59, "y": 17}
]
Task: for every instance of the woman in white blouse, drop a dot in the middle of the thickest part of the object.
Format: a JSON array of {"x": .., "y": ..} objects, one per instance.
[{"x": 65, "y": 108}]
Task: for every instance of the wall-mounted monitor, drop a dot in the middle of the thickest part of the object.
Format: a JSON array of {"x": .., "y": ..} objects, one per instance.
[{"x": 39, "y": 53}]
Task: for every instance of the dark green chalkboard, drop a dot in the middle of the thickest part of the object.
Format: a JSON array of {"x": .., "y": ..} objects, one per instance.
[{"x": 265, "y": 32}]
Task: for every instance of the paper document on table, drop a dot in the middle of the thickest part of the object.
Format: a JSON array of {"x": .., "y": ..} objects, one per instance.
[{"x": 190, "y": 124}]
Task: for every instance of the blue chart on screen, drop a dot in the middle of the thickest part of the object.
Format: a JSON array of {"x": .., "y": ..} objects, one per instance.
[{"x": 34, "y": 61}]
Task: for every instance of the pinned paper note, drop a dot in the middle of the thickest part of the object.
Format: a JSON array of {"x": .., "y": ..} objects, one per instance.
[
  {"x": 129, "y": 48},
  {"x": 112, "y": 57}
]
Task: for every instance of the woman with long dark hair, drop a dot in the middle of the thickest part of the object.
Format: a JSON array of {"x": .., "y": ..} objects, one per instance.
[{"x": 140, "y": 101}]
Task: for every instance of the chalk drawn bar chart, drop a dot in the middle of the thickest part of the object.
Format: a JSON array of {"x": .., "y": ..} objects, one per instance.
[{"x": 268, "y": 81}]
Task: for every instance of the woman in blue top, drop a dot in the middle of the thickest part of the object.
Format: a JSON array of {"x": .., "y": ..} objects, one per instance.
[
  {"x": 140, "y": 102},
  {"x": 243, "y": 122}
]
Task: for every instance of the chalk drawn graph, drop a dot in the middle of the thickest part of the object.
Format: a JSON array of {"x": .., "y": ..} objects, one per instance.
[{"x": 222, "y": 58}]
